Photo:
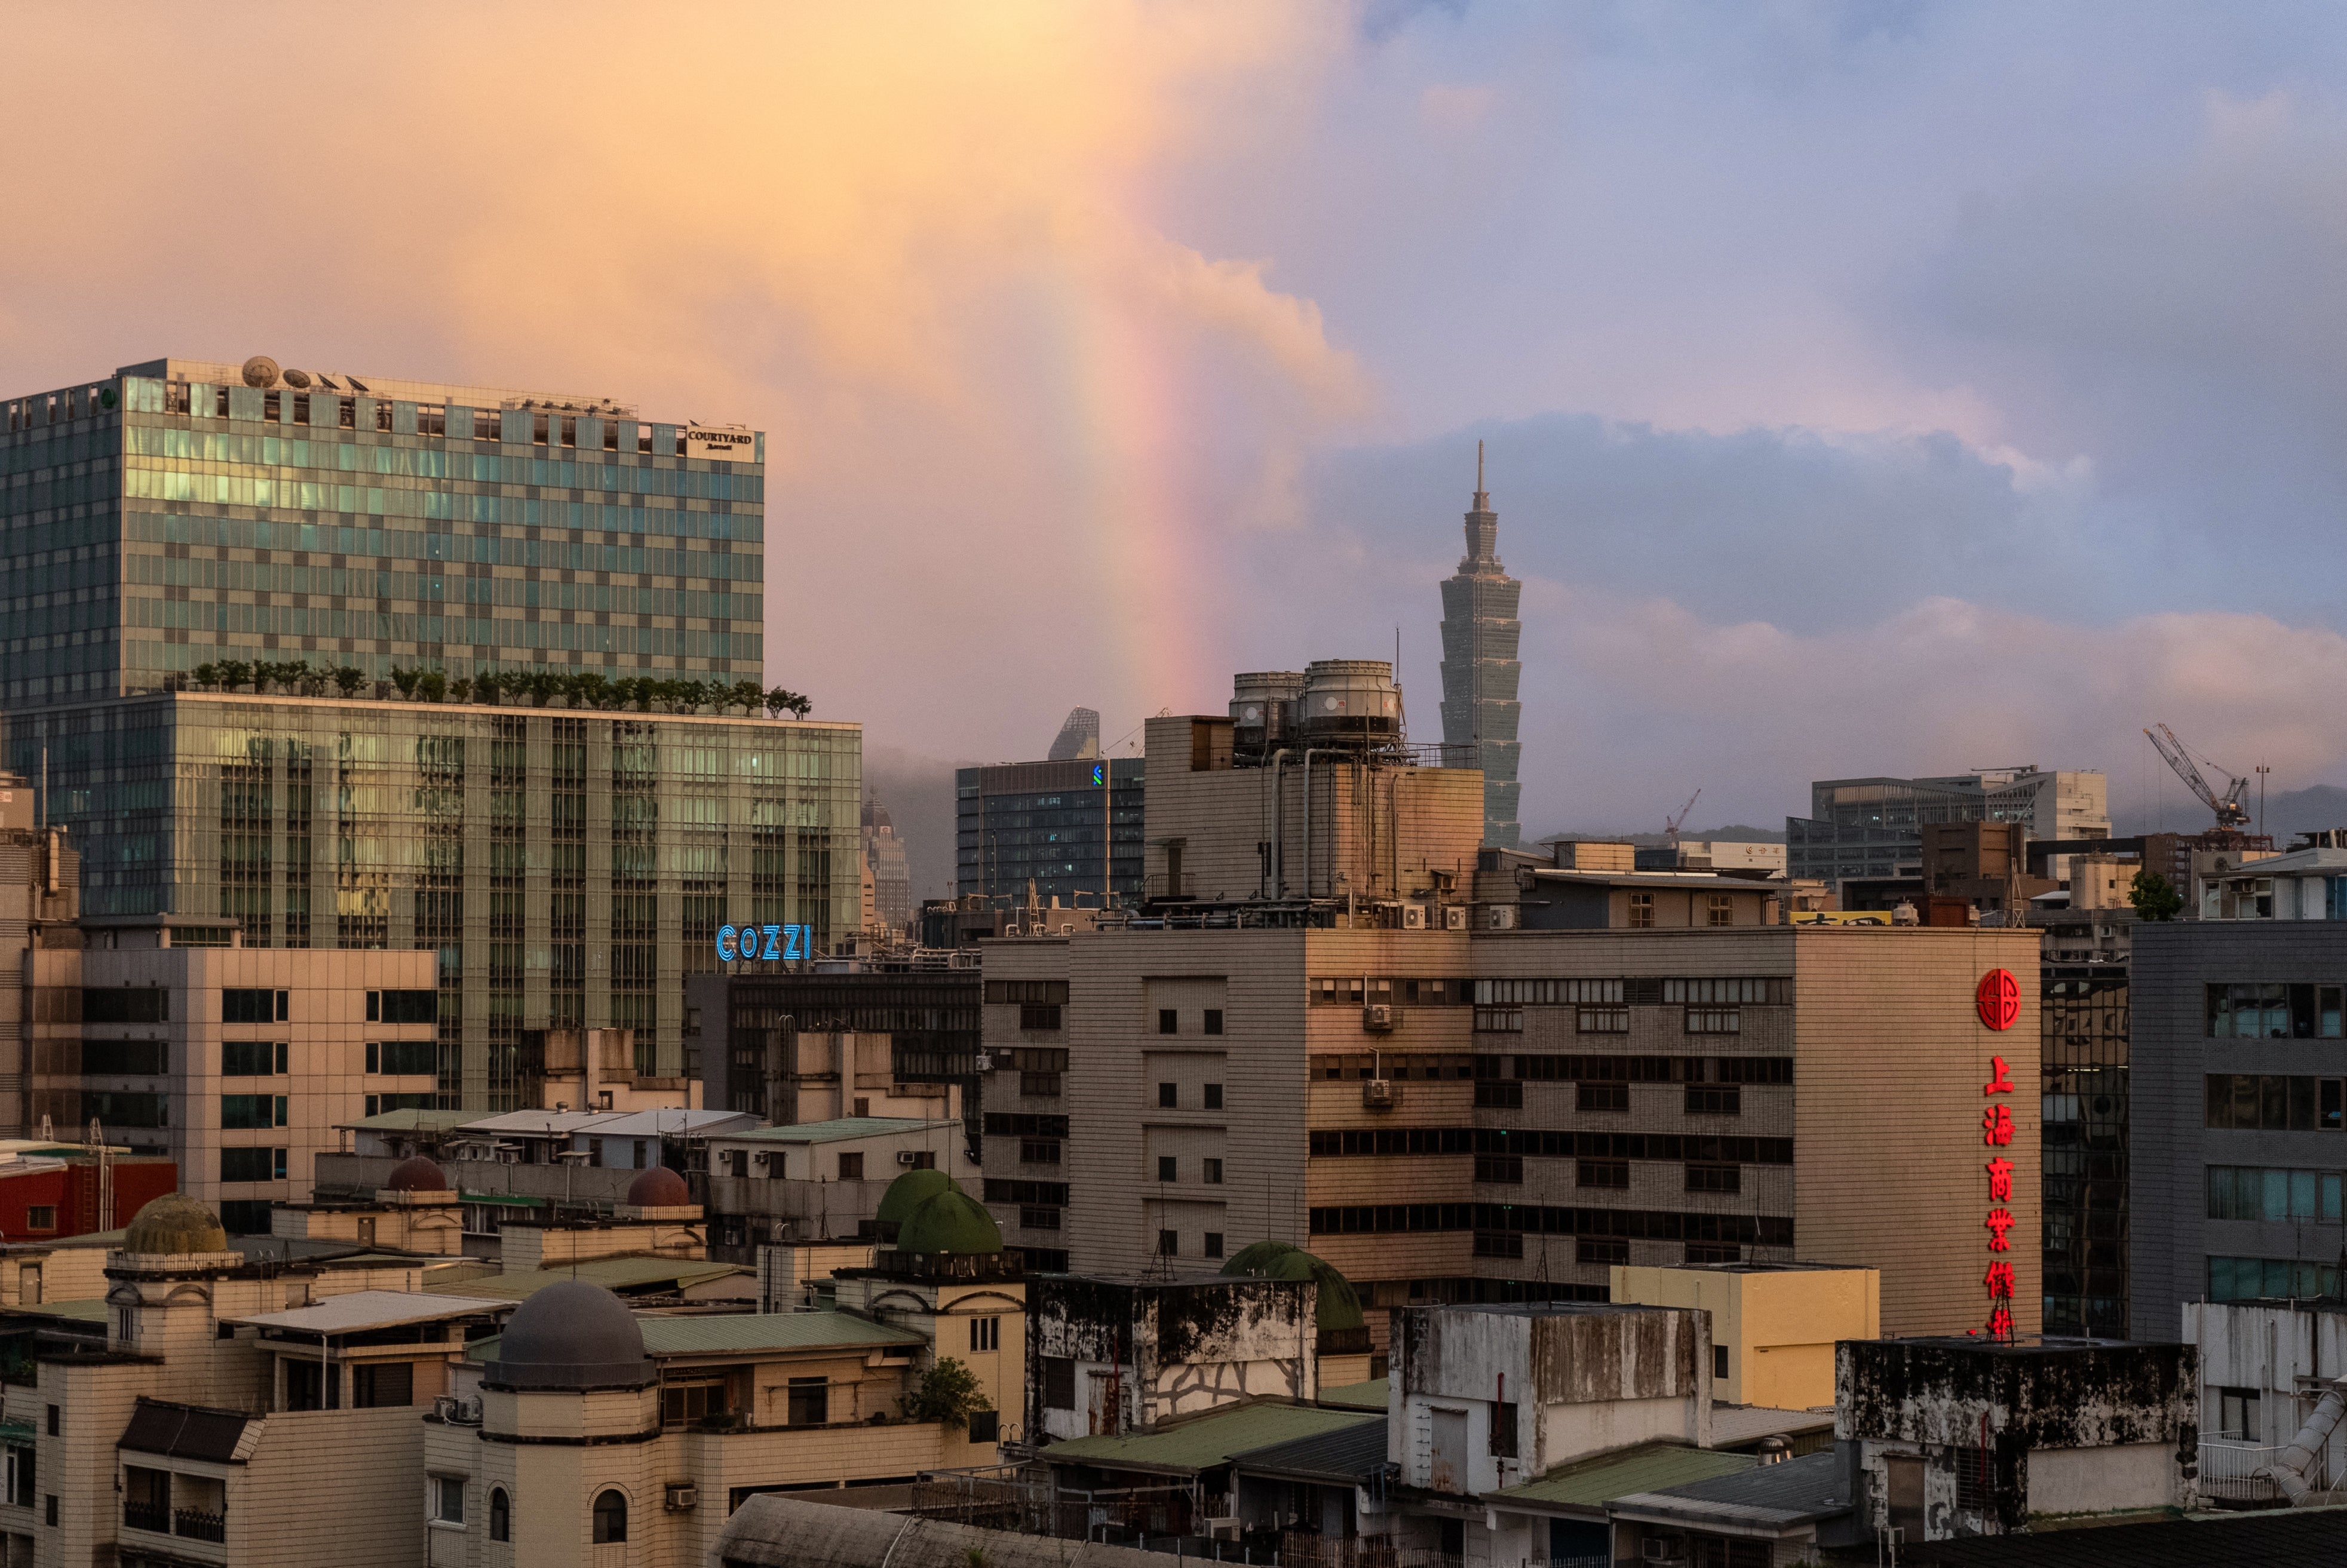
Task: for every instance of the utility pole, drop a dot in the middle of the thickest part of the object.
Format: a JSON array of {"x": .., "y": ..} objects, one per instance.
[{"x": 2262, "y": 771}]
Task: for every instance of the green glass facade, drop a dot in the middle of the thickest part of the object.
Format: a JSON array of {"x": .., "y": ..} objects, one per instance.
[
  {"x": 569, "y": 867},
  {"x": 169, "y": 517}
]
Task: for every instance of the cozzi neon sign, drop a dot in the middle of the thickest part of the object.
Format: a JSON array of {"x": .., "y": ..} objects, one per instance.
[{"x": 778, "y": 942}]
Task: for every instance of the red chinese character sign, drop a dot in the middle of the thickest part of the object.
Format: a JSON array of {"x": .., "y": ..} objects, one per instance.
[{"x": 1999, "y": 1000}]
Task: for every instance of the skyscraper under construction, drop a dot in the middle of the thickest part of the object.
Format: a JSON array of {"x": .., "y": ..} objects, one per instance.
[{"x": 1479, "y": 668}]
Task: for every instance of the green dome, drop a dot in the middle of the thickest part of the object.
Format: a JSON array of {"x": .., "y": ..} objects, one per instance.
[
  {"x": 1339, "y": 1308},
  {"x": 910, "y": 1191},
  {"x": 949, "y": 1221},
  {"x": 174, "y": 1224}
]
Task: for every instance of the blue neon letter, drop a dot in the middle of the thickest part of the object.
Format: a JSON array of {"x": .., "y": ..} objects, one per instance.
[
  {"x": 773, "y": 943},
  {"x": 726, "y": 951}
]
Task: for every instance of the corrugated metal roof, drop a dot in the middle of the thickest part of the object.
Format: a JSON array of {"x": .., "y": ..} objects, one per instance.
[
  {"x": 185, "y": 1431},
  {"x": 362, "y": 1311},
  {"x": 1368, "y": 1396},
  {"x": 1592, "y": 1483},
  {"x": 410, "y": 1120},
  {"x": 737, "y": 1333},
  {"x": 622, "y": 1274},
  {"x": 674, "y": 1124},
  {"x": 1773, "y": 1496},
  {"x": 1735, "y": 1424},
  {"x": 1341, "y": 1457},
  {"x": 833, "y": 1132},
  {"x": 1205, "y": 1441},
  {"x": 545, "y": 1123},
  {"x": 91, "y": 1309}
]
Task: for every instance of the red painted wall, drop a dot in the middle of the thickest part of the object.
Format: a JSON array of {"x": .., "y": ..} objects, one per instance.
[{"x": 72, "y": 1192}]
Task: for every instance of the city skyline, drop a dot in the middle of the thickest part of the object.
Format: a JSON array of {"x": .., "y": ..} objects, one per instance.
[{"x": 1874, "y": 370}]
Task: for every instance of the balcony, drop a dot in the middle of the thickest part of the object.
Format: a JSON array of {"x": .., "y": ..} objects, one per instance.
[
  {"x": 197, "y": 1525},
  {"x": 2230, "y": 1474},
  {"x": 155, "y": 1517}
]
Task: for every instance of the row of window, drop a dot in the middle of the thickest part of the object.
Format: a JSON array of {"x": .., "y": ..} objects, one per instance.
[
  {"x": 1169, "y": 1169},
  {"x": 1020, "y": 1124},
  {"x": 1347, "y": 1142},
  {"x": 2273, "y": 1102},
  {"x": 2270, "y": 1279},
  {"x": 1574, "y": 1068},
  {"x": 1633, "y": 1224},
  {"x": 1754, "y": 990},
  {"x": 253, "y": 1164},
  {"x": 445, "y": 1496},
  {"x": 2268, "y": 1010},
  {"x": 1169, "y": 1097},
  {"x": 1507, "y": 1170},
  {"x": 2254, "y": 1193},
  {"x": 1718, "y": 909},
  {"x": 248, "y": 1057}
]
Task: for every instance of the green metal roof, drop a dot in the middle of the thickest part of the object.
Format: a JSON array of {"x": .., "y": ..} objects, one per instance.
[
  {"x": 1208, "y": 1441},
  {"x": 619, "y": 1274},
  {"x": 740, "y": 1333},
  {"x": 15, "y": 1432},
  {"x": 412, "y": 1121},
  {"x": 509, "y": 1200},
  {"x": 833, "y": 1132},
  {"x": 1592, "y": 1483},
  {"x": 1368, "y": 1396},
  {"x": 91, "y": 1310}
]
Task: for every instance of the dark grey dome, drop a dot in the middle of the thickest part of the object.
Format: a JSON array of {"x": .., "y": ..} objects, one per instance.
[{"x": 571, "y": 1335}]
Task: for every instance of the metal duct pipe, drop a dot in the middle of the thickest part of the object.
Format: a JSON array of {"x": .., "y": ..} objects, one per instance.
[
  {"x": 1278, "y": 802},
  {"x": 1308, "y": 754},
  {"x": 2289, "y": 1469}
]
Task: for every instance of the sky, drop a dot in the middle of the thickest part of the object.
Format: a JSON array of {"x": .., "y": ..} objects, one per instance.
[{"x": 1868, "y": 387}]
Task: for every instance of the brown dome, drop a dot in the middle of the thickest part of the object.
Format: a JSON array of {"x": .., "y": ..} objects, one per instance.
[
  {"x": 416, "y": 1173},
  {"x": 659, "y": 1188}
]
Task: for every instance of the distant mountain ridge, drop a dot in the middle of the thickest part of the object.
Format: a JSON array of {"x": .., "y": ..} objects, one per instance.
[
  {"x": 2288, "y": 813},
  {"x": 1736, "y": 834}
]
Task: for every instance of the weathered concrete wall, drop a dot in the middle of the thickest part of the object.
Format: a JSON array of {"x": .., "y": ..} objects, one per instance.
[
  {"x": 2103, "y": 1480},
  {"x": 1182, "y": 1348}
]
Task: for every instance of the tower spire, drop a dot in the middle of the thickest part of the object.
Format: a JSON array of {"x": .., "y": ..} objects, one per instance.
[{"x": 1482, "y": 496}]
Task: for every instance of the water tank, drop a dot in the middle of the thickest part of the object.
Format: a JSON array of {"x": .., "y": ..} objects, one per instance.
[
  {"x": 1350, "y": 698},
  {"x": 1263, "y": 707}
]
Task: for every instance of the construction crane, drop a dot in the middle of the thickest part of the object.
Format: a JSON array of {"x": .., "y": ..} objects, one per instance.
[
  {"x": 1671, "y": 824},
  {"x": 2231, "y": 816}
]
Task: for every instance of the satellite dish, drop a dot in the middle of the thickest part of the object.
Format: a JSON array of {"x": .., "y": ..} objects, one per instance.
[
  {"x": 260, "y": 371},
  {"x": 297, "y": 379}
]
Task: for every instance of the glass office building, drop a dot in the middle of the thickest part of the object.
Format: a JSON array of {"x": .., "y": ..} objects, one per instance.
[
  {"x": 1015, "y": 822},
  {"x": 570, "y": 864},
  {"x": 172, "y": 515}
]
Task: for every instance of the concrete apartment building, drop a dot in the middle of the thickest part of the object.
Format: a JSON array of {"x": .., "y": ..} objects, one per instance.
[
  {"x": 310, "y": 536},
  {"x": 2236, "y": 1124},
  {"x": 1349, "y": 1041},
  {"x": 1872, "y": 827}
]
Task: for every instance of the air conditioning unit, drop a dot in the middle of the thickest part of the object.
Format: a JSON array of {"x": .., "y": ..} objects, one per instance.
[
  {"x": 1454, "y": 917},
  {"x": 1378, "y": 1017},
  {"x": 1413, "y": 916},
  {"x": 1664, "y": 1554},
  {"x": 1502, "y": 917},
  {"x": 1377, "y": 1094},
  {"x": 903, "y": 1156},
  {"x": 680, "y": 1495}
]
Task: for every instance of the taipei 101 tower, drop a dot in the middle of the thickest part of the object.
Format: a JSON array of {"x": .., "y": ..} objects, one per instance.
[{"x": 1479, "y": 668}]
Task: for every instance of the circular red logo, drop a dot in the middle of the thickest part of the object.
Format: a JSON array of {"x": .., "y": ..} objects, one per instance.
[{"x": 1999, "y": 999}]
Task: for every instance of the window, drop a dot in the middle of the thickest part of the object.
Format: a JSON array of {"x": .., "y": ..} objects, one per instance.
[
  {"x": 1169, "y": 1244},
  {"x": 56, "y": 1422},
  {"x": 1211, "y": 1173},
  {"x": 134, "y": 1058},
  {"x": 1213, "y": 1247},
  {"x": 41, "y": 1217},
  {"x": 810, "y": 1402},
  {"x": 1714, "y": 1021},
  {"x": 1753, "y": 1069},
  {"x": 986, "y": 1426},
  {"x": 1714, "y": 1100},
  {"x": 448, "y": 1498},
  {"x": 1165, "y": 1097},
  {"x": 402, "y": 1007},
  {"x": 1169, "y": 1022},
  {"x": 1499, "y": 1020},
  {"x": 1059, "y": 1383},
  {"x": 2251, "y": 1192},
  {"x": 2268, "y": 1102},
  {"x": 245, "y": 1111},
  {"x": 500, "y": 1515},
  {"x": 2248, "y": 1011},
  {"x": 1213, "y": 1097},
  {"x": 1708, "y": 1177},
  {"x": 1165, "y": 1169},
  {"x": 1499, "y": 1094},
  {"x": 255, "y": 1006},
  {"x": 986, "y": 1333},
  {"x": 1719, "y": 909},
  {"x": 1600, "y": 1249},
  {"x": 1603, "y": 1021},
  {"x": 1498, "y": 1244},
  {"x": 1036, "y": 1217},
  {"x": 401, "y": 1058},
  {"x": 1039, "y": 1015},
  {"x": 1039, "y": 1151},
  {"x": 1213, "y": 1020},
  {"x": 1602, "y": 1096},
  {"x": 2269, "y": 1280},
  {"x": 1508, "y": 1170},
  {"x": 308, "y": 1387},
  {"x": 851, "y": 1168},
  {"x": 682, "y": 1403},
  {"x": 1612, "y": 1174},
  {"x": 1974, "y": 1477},
  {"x": 863, "y": 1106},
  {"x": 20, "y": 1476},
  {"x": 382, "y": 1383},
  {"x": 1503, "y": 1429},
  {"x": 611, "y": 1517},
  {"x": 2238, "y": 1419},
  {"x": 122, "y": 1004},
  {"x": 253, "y": 1164},
  {"x": 1719, "y": 1360},
  {"x": 1714, "y": 1252},
  {"x": 1642, "y": 909},
  {"x": 251, "y": 1059}
]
